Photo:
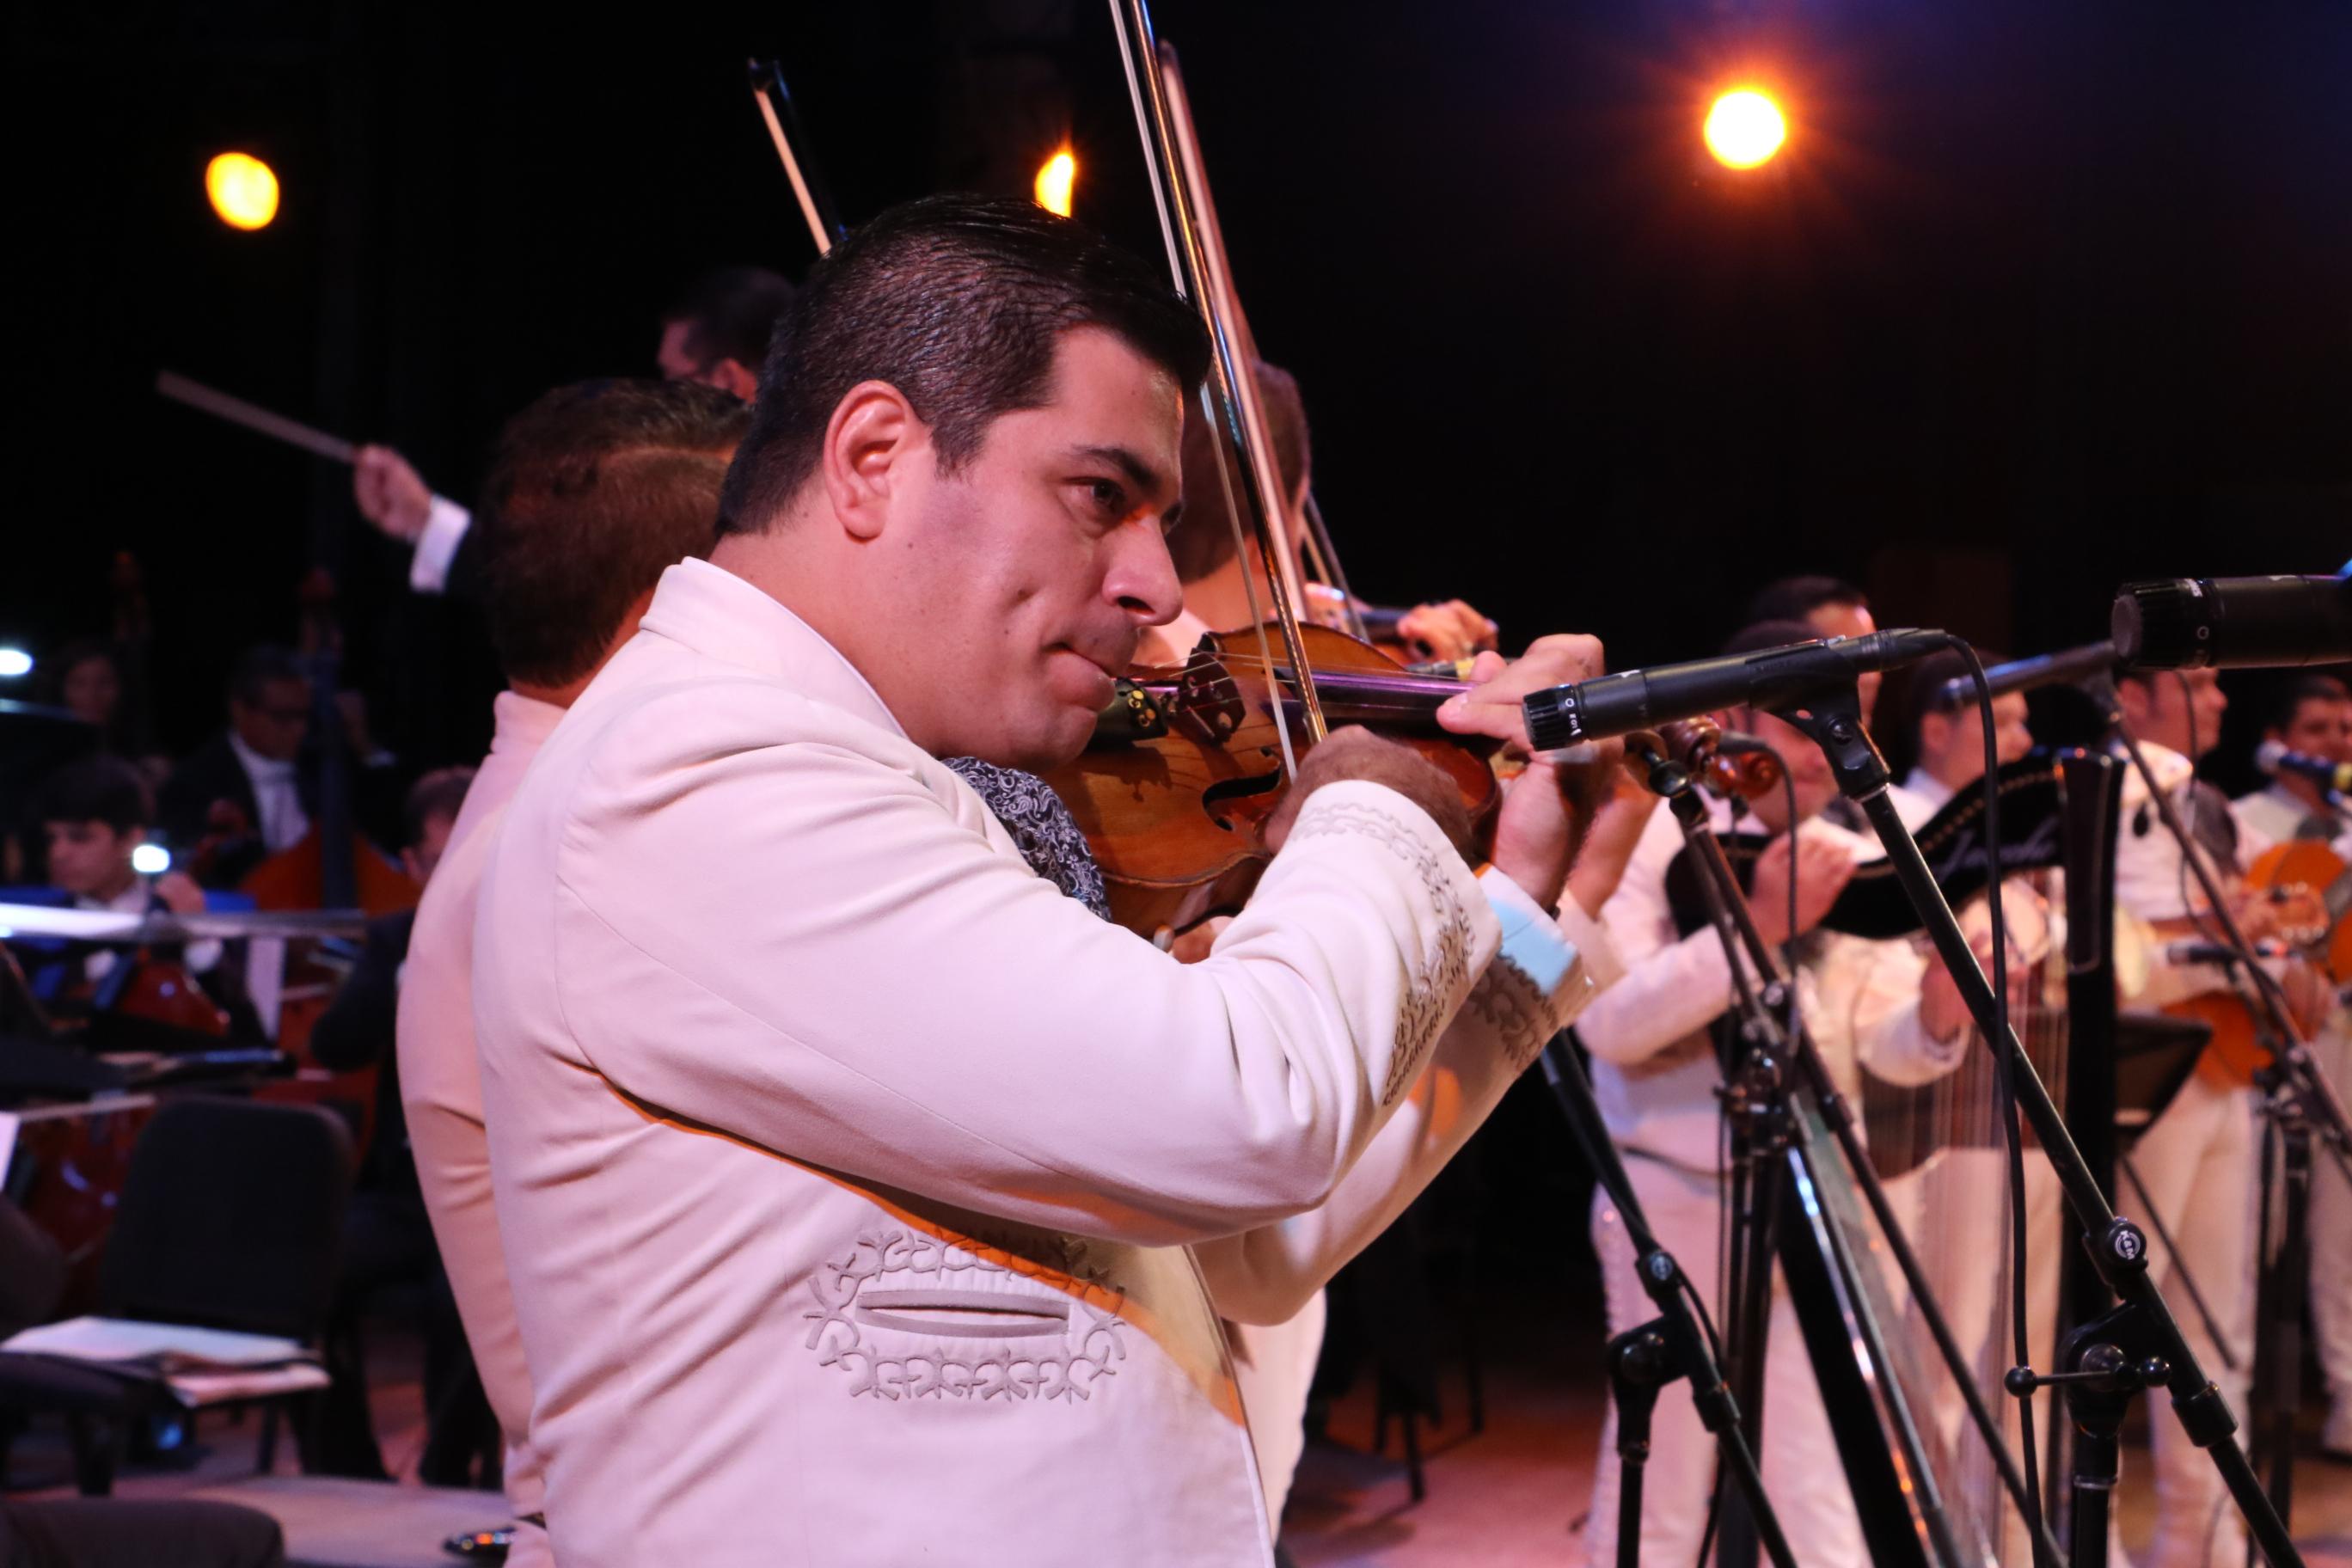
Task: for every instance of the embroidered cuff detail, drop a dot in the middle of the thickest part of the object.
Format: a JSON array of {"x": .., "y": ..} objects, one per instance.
[{"x": 1362, "y": 811}]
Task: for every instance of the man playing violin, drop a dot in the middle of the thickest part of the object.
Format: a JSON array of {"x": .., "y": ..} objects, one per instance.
[{"x": 862, "y": 1196}]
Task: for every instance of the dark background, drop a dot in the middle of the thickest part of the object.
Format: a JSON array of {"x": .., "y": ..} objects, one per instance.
[{"x": 2039, "y": 297}]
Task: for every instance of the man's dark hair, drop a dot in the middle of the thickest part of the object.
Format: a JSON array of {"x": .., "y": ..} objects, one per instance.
[
  {"x": 261, "y": 666},
  {"x": 97, "y": 789},
  {"x": 2305, "y": 689},
  {"x": 1203, "y": 539},
  {"x": 1796, "y": 598},
  {"x": 1924, "y": 693},
  {"x": 596, "y": 488},
  {"x": 730, "y": 312},
  {"x": 959, "y": 302},
  {"x": 439, "y": 794}
]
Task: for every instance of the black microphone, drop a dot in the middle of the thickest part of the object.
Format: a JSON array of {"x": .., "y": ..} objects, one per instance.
[
  {"x": 1564, "y": 716},
  {"x": 2273, "y": 757},
  {"x": 2233, "y": 623},
  {"x": 2071, "y": 667}
]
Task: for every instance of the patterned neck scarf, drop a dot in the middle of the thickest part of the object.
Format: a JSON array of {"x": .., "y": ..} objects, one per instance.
[{"x": 1041, "y": 826}]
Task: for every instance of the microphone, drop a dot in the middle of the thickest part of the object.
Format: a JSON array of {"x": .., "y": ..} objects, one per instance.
[
  {"x": 2274, "y": 758},
  {"x": 2233, "y": 623},
  {"x": 1563, "y": 716},
  {"x": 2071, "y": 667}
]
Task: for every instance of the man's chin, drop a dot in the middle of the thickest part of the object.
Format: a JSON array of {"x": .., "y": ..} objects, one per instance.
[{"x": 1041, "y": 749}]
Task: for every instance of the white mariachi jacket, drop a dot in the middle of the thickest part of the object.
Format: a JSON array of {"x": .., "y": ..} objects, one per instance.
[{"x": 867, "y": 1201}]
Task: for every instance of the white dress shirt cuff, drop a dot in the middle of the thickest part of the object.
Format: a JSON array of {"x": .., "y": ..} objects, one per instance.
[{"x": 437, "y": 545}]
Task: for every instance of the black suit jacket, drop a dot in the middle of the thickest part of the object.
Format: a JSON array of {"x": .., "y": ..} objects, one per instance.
[
  {"x": 357, "y": 1030},
  {"x": 183, "y": 809},
  {"x": 212, "y": 773}
]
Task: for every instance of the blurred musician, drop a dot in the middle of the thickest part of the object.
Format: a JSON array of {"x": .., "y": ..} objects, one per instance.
[
  {"x": 1875, "y": 1005},
  {"x": 1218, "y": 583},
  {"x": 1959, "y": 1201},
  {"x": 594, "y": 492},
  {"x": 94, "y": 816},
  {"x": 2315, "y": 719},
  {"x": 1831, "y": 607},
  {"x": 2198, "y": 1158},
  {"x": 716, "y": 334},
  {"x": 244, "y": 795},
  {"x": 1946, "y": 738}
]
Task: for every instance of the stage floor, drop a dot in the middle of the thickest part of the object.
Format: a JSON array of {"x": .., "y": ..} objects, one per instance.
[{"x": 1510, "y": 1496}]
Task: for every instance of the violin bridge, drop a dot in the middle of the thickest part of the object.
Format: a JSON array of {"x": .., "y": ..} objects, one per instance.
[{"x": 1206, "y": 705}]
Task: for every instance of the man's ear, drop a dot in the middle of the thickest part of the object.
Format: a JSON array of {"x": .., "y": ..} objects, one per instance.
[{"x": 873, "y": 433}]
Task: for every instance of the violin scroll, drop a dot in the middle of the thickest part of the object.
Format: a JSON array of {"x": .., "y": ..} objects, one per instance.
[{"x": 1728, "y": 774}]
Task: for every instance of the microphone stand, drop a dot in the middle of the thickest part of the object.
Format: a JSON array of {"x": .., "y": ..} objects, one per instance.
[
  {"x": 1785, "y": 1038},
  {"x": 1647, "y": 1357},
  {"x": 2136, "y": 1345}
]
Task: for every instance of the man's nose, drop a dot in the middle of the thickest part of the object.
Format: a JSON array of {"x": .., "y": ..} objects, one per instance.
[{"x": 1143, "y": 576}]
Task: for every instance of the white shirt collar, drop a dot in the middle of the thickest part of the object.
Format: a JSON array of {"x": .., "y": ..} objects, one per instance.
[
  {"x": 523, "y": 723},
  {"x": 1928, "y": 788},
  {"x": 715, "y": 613},
  {"x": 258, "y": 768}
]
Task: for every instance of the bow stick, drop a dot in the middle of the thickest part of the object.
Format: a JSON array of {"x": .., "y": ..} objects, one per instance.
[
  {"x": 1181, "y": 195},
  {"x": 1321, "y": 553}
]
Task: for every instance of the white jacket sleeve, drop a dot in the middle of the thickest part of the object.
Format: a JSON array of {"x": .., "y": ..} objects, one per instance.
[
  {"x": 849, "y": 975},
  {"x": 1535, "y": 986},
  {"x": 1868, "y": 995}
]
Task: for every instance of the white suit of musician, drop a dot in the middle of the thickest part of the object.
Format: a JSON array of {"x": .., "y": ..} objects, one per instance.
[
  {"x": 1656, "y": 1075},
  {"x": 867, "y": 1201},
  {"x": 2198, "y": 1162}
]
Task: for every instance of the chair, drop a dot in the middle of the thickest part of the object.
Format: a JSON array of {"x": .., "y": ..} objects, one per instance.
[{"x": 230, "y": 1219}]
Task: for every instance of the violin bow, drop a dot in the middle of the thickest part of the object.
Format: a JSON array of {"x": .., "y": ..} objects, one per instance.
[
  {"x": 775, "y": 101},
  {"x": 1322, "y": 554},
  {"x": 1230, "y": 396}
]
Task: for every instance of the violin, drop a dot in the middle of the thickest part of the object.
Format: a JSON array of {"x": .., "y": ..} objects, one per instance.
[{"x": 1186, "y": 767}]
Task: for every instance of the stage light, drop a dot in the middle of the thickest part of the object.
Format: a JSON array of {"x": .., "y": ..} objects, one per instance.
[
  {"x": 14, "y": 663},
  {"x": 150, "y": 860},
  {"x": 1745, "y": 128},
  {"x": 244, "y": 190},
  {"x": 1055, "y": 181}
]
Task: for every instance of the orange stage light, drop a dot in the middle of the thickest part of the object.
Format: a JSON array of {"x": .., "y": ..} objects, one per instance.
[
  {"x": 244, "y": 190},
  {"x": 1055, "y": 182},
  {"x": 1745, "y": 129}
]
